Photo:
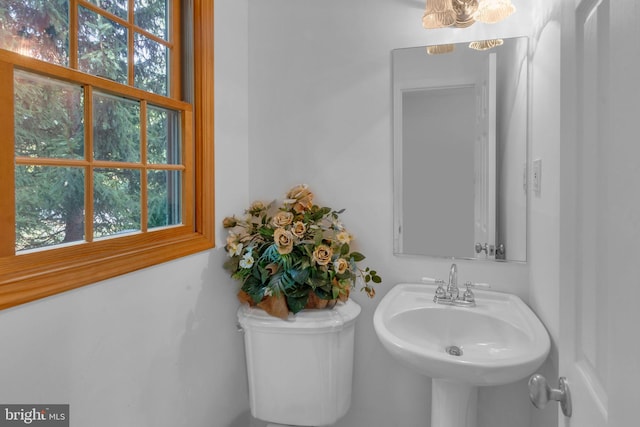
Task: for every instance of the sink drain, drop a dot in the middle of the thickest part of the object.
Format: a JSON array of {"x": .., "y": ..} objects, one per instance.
[{"x": 454, "y": 350}]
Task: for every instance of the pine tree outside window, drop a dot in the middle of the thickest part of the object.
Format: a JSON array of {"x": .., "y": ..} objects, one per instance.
[{"x": 106, "y": 152}]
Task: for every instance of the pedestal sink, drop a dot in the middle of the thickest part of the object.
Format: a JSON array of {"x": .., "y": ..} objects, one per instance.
[{"x": 498, "y": 341}]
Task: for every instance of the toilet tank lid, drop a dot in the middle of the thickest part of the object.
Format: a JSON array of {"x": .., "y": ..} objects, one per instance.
[{"x": 314, "y": 320}]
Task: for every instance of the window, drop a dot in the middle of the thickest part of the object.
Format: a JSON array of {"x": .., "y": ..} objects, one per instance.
[{"x": 106, "y": 153}]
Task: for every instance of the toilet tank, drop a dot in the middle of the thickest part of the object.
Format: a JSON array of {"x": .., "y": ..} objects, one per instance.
[{"x": 300, "y": 370}]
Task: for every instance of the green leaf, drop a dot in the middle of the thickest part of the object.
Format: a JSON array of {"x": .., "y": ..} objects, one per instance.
[
  {"x": 376, "y": 279},
  {"x": 324, "y": 292},
  {"x": 232, "y": 263},
  {"x": 297, "y": 303},
  {"x": 319, "y": 282},
  {"x": 344, "y": 249},
  {"x": 254, "y": 288},
  {"x": 346, "y": 275},
  {"x": 264, "y": 274},
  {"x": 299, "y": 276},
  {"x": 271, "y": 254},
  {"x": 266, "y": 231},
  {"x": 357, "y": 256},
  {"x": 315, "y": 216},
  {"x": 282, "y": 281}
]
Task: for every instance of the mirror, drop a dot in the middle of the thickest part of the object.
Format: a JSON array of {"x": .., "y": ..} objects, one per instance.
[{"x": 460, "y": 150}]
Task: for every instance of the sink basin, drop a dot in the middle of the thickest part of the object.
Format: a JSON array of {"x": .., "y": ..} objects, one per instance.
[{"x": 498, "y": 341}]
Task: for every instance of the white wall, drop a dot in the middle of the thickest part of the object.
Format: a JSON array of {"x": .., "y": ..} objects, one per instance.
[
  {"x": 544, "y": 225},
  {"x": 141, "y": 350},
  {"x": 157, "y": 347}
]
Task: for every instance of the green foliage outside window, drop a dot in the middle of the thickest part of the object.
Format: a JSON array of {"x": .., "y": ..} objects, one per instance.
[{"x": 50, "y": 123}]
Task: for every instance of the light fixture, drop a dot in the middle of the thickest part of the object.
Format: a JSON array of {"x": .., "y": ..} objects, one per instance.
[
  {"x": 486, "y": 44},
  {"x": 465, "y": 11},
  {"x": 440, "y": 49},
  {"x": 492, "y": 11},
  {"x": 438, "y": 14}
]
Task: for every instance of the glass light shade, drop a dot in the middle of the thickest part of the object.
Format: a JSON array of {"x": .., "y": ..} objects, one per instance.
[
  {"x": 439, "y": 49},
  {"x": 438, "y": 14},
  {"x": 492, "y": 11},
  {"x": 486, "y": 44},
  {"x": 465, "y": 11}
]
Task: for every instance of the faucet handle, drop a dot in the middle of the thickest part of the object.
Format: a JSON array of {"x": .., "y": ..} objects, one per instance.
[
  {"x": 441, "y": 294},
  {"x": 477, "y": 285},
  {"x": 432, "y": 281},
  {"x": 468, "y": 294},
  {"x": 470, "y": 285}
]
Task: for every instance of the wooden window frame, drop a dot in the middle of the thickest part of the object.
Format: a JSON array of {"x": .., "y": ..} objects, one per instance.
[{"x": 41, "y": 273}]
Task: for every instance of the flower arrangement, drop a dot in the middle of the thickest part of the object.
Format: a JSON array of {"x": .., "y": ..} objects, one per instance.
[{"x": 294, "y": 256}]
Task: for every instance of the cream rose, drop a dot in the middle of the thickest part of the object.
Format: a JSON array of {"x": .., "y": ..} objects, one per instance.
[
  {"x": 340, "y": 265},
  {"x": 300, "y": 197},
  {"x": 282, "y": 219},
  {"x": 299, "y": 229},
  {"x": 256, "y": 206},
  {"x": 283, "y": 240},
  {"x": 229, "y": 222},
  {"x": 322, "y": 255}
]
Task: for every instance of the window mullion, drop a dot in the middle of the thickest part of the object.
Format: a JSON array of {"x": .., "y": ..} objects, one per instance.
[
  {"x": 7, "y": 153},
  {"x": 130, "y": 44},
  {"x": 144, "y": 213},
  {"x": 175, "y": 51},
  {"x": 88, "y": 171},
  {"x": 190, "y": 174},
  {"x": 73, "y": 34}
]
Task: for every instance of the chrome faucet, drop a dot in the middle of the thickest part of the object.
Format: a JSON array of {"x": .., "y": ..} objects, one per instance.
[
  {"x": 452, "y": 287},
  {"x": 451, "y": 294}
]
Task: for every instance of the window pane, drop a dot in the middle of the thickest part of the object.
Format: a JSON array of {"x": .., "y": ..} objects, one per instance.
[
  {"x": 150, "y": 63},
  {"x": 48, "y": 117},
  {"x": 37, "y": 29},
  {"x": 163, "y": 136},
  {"x": 152, "y": 16},
  {"x": 165, "y": 196},
  {"x": 116, "y": 7},
  {"x": 116, "y": 197},
  {"x": 102, "y": 46},
  {"x": 49, "y": 206},
  {"x": 116, "y": 128}
]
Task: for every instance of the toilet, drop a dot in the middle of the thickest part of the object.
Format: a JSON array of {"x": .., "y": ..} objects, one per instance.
[{"x": 300, "y": 370}]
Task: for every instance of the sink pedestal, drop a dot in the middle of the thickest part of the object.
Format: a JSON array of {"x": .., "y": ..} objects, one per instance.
[{"x": 453, "y": 404}]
